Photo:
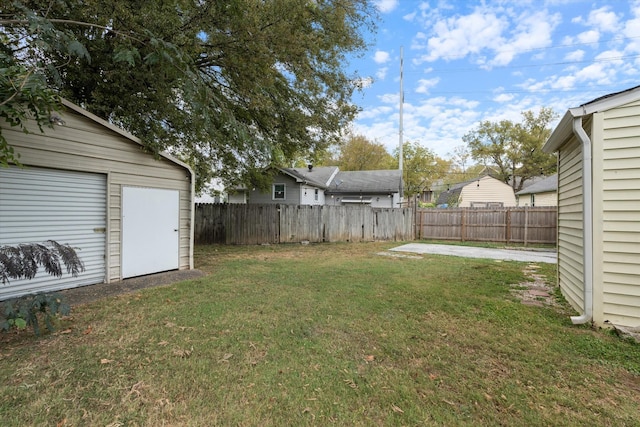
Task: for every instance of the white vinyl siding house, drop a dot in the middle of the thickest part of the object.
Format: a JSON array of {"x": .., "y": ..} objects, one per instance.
[
  {"x": 482, "y": 192},
  {"x": 609, "y": 199},
  {"x": 570, "y": 223},
  {"x": 91, "y": 149},
  {"x": 541, "y": 193},
  {"x": 544, "y": 199}
]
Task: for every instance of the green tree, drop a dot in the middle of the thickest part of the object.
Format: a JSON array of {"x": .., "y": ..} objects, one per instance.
[
  {"x": 515, "y": 149},
  {"x": 357, "y": 153},
  {"x": 460, "y": 158},
  {"x": 228, "y": 86},
  {"x": 421, "y": 168}
]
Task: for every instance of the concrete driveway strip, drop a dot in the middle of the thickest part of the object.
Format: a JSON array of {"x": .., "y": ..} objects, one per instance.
[{"x": 473, "y": 252}]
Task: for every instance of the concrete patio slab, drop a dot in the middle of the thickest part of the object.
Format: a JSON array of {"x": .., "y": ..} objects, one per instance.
[{"x": 546, "y": 256}]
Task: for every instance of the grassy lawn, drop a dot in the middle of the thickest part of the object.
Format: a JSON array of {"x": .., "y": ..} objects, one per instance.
[{"x": 321, "y": 335}]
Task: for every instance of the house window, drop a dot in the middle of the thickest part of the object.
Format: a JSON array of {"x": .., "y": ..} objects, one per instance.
[
  {"x": 316, "y": 195},
  {"x": 279, "y": 192}
]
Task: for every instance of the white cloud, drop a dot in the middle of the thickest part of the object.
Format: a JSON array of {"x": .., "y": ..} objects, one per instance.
[
  {"x": 632, "y": 29},
  {"x": 610, "y": 55},
  {"x": 593, "y": 72},
  {"x": 503, "y": 97},
  {"x": 410, "y": 16},
  {"x": 459, "y": 36},
  {"x": 373, "y": 113},
  {"x": 465, "y": 103},
  {"x": 382, "y": 73},
  {"x": 487, "y": 32},
  {"x": 591, "y": 36},
  {"x": 564, "y": 82},
  {"x": 425, "y": 84},
  {"x": 604, "y": 20},
  {"x": 381, "y": 57},
  {"x": 576, "y": 55},
  {"x": 386, "y": 6},
  {"x": 389, "y": 98},
  {"x": 532, "y": 32}
]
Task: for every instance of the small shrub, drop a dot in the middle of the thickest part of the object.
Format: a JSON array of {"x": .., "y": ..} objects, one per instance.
[
  {"x": 25, "y": 311},
  {"x": 426, "y": 205}
]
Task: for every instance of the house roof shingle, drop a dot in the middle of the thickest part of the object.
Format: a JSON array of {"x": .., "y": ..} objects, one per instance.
[
  {"x": 370, "y": 182},
  {"x": 546, "y": 185},
  {"x": 453, "y": 193},
  {"x": 317, "y": 176}
]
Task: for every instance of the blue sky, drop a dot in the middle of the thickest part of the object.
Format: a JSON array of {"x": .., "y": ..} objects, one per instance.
[{"x": 469, "y": 61}]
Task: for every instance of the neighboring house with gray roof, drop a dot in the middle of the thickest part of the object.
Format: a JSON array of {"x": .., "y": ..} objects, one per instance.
[
  {"x": 540, "y": 193},
  {"x": 327, "y": 185},
  {"x": 378, "y": 188},
  {"x": 296, "y": 186}
]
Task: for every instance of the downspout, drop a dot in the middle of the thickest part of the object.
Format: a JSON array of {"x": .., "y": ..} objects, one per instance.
[{"x": 587, "y": 222}]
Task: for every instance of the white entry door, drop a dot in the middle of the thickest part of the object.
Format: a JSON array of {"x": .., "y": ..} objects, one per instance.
[{"x": 150, "y": 230}]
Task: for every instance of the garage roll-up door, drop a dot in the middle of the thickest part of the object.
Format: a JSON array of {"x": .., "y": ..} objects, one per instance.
[{"x": 46, "y": 204}]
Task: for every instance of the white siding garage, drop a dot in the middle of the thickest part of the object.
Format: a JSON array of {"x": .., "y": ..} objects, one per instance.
[{"x": 75, "y": 179}]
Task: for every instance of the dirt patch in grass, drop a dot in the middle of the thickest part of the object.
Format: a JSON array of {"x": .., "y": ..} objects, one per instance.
[
  {"x": 86, "y": 294},
  {"x": 536, "y": 291}
]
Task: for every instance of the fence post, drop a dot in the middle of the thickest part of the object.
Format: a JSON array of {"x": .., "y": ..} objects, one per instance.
[
  {"x": 507, "y": 231},
  {"x": 526, "y": 225},
  {"x": 462, "y": 223}
]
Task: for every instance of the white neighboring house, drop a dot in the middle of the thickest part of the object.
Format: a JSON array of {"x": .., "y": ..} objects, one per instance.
[
  {"x": 540, "y": 193},
  {"x": 484, "y": 192},
  {"x": 327, "y": 186}
]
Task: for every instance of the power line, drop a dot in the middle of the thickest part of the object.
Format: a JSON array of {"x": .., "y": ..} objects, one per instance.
[{"x": 515, "y": 92}]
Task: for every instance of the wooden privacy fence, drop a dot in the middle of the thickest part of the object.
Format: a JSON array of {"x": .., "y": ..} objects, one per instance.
[
  {"x": 238, "y": 224},
  {"x": 509, "y": 225}
]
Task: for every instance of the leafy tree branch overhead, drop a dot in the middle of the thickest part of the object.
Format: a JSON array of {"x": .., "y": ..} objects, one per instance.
[{"x": 228, "y": 86}]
